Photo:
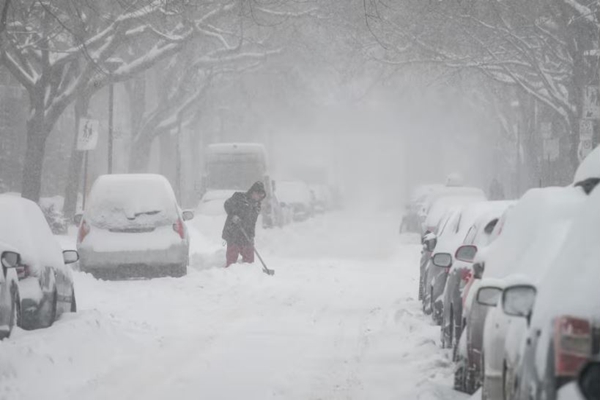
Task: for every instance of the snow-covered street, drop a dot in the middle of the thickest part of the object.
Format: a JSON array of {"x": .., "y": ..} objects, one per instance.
[{"x": 339, "y": 320}]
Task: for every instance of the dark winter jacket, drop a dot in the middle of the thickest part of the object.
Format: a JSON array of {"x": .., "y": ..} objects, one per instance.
[{"x": 242, "y": 205}]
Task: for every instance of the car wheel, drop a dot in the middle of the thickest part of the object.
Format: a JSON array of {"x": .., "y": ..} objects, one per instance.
[
  {"x": 459, "y": 379},
  {"x": 179, "y": 271},
  {"x": 73, "y": 301},
  {"x": 15, "y": 319},
  {"x": 448, "y": 331},
  {"x": 427, "y": 305}
]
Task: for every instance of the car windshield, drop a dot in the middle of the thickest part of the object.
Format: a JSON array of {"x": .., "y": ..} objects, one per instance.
[{"x": 130, "y": 203}]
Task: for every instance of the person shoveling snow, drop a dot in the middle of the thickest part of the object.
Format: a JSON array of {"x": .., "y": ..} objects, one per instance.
[{"x": 240, "y": 227}]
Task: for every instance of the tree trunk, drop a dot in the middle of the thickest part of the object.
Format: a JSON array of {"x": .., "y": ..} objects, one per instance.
[
  {"x": 75, "y": 163},
  {"x": 37, "y": 132}
]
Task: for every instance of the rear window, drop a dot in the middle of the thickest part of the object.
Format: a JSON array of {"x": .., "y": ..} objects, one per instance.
[{"x": 131, "y": 202}]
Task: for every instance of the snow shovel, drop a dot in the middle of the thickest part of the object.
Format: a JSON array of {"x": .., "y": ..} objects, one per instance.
[{"x": 266, "y": 270}]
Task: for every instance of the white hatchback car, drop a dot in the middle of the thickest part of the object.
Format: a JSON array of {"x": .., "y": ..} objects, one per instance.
[{"x": 132, "y": 227}]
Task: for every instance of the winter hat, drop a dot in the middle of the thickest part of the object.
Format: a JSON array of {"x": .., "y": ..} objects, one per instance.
[{"x": 258, "y": 187}]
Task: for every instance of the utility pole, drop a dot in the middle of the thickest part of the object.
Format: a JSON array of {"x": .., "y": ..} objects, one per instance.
[{"x": 111, "y": 96}]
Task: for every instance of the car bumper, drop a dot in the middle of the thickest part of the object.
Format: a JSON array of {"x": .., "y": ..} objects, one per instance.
[{"x": 134, "y": 263}]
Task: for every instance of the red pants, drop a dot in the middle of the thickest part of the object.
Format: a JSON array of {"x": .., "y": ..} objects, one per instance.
[{"x": 234, "y": 251}]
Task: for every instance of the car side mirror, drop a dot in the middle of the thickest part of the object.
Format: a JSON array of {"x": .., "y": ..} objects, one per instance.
[
  {"x": 478, "y": 269},
  {"x": 489, "y": 296},
  {"x": 77, "y": 219},
  {"x": 10, "y": 259},
  {"x": 187, "y": 215},
  {"x": 70, "y": 256},
  {"x": 589, "y": 380},
  {"x": 466, "y": 253},
  {"x": 518, "y": 301},
  {"x": 442, "y": 260}
]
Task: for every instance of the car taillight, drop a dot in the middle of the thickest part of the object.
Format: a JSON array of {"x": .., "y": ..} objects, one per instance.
[
  {"x": 23, "y": 271},
  {"x": 84, "y": 229},
  {"x": 572, "y": 345},
  {"x": 179, "y": 228}
]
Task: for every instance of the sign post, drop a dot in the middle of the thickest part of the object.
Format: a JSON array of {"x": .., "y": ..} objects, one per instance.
[{"x": 87, "y": 139}]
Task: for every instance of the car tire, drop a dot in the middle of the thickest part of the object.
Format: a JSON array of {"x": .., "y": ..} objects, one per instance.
[
  {"x": 179, "y": 271},
  {"x": 73, "y": 301},
  {"x": 15, "y": 314},
  {"x": 447, "y": 332},
  {"x": 427, "y": 305}
]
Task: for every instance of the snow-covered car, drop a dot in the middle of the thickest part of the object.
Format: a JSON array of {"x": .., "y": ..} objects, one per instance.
[
  {"x": 322, "y": 198},
  {"x": 440, "y": 200},
  {"x": 296, "y": 195},
  {"x": 485, "y": 217},
  {"x": 45, "y": 280},
  {"x": 448, "y": 242},
  {"x": 558, "y": 337},
  {"x": 10, "y": 300},
  {"x": 212, "y": 202},
  {"x": 467, "y": 372},
  {"x": 133, "y": 227},
  {"x": 476, "y": 300},
  {"x": 531, "y": 239}
]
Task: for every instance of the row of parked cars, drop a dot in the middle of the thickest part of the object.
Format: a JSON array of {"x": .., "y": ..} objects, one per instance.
[
  {"x": 132, "y": 227},
  {"x": 515, "y": 287}
]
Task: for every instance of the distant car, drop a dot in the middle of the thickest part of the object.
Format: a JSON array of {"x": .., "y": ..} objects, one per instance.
[
  {"x": 439, "y": 200},
  {"x": 212, "y": 202},
  {"x": 10, "y": 301},
  {"x": 296, "y": 195},
  {"x": 45, "y": 280},
  {"x": 132, "y": 227}
]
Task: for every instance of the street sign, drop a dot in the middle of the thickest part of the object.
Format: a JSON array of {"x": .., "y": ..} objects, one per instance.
[
  {"x": 591, "y": 102},
  {"x": 87, "y": 136},
  {"x": 585, "y": 148},
  {"x": 586, "y": 129}
]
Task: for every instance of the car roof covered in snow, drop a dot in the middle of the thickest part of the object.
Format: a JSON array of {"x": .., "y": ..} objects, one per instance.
[
  {"x": 25, "y": 229},
  {"x": 589, "y": 167},
  {"x": 574, "y": 275},
  {"x": 536, "y": 227},
  {"x": 494, "y": 211},
  {"x": 132, "y": 194},
  {"x": 463, "y": 219},
  {"x": 449, "y": 198}
]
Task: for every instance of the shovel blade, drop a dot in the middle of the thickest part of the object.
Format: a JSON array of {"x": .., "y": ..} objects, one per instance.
[{"x": 269, "y": 272}]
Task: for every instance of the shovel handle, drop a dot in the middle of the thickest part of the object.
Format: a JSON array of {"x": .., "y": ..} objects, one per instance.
[{"x": 265, "y": 269}]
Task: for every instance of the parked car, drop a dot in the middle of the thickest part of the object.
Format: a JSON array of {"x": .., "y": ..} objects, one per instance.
[
  {"x": 559, "y": 336},
  {"x": 531, "y": 240},
  {"x": 133, "y": 227},
  {"x": 10, "y": 300},
  {"x": 296, "y": 196},
  {"x": 430, "y": 272},
  {"x": 437, "y": 275},
  {"x": 486, "y": 216},
  {"x": 440, "y": 200},
  {"x": 45, "y": 280},
  {"x": 467, "y": 373},
  {"x": 477, "y": 300}
]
